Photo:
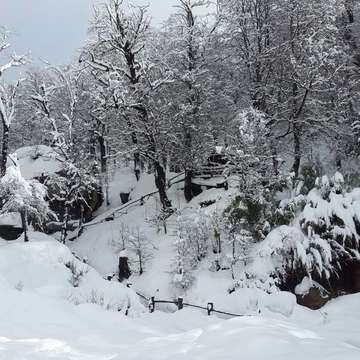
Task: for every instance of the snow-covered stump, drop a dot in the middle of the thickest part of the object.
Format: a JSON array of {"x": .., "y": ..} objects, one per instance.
[{"x": 124, "y": 270}]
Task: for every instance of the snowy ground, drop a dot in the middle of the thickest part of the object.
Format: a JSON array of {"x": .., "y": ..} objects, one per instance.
[{"x": 37, "y": 322}]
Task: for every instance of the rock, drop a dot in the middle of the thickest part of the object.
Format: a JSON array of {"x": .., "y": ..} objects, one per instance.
[
  {"x": 124, "y": 197},
  {"x": 9, "y": 232},
  {"x": 314, "y": 299}
]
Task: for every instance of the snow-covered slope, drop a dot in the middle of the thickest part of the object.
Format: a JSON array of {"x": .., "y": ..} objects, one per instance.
[
  {"x": 47, "y": 268},
  {"x": 100, "y": 242}
]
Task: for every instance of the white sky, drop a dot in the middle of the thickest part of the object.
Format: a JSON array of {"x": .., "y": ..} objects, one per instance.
[{"x": 55, "y": 29}]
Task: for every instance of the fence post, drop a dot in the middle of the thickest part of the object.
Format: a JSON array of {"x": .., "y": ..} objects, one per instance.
[
  {"x": 210, "y": 308},
  {"x": 180, "y": 303},
  {"x": 152, "y": 304}
]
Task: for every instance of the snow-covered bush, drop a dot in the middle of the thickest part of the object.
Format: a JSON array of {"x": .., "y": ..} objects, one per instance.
[
  {"x": 310, "y": 171},
  {"x": 287, "y": 254},
  {"x": 217, "y": 225},
  {"x": 245, "y": 223},
  {"x": 141, "y": 247},
  {"x": 183, "y": 265},
  {"x": 195, "y": 239},
  {"x": 331, "y": 214},
  {"x": 76, "y": 273},
  {"x": 292, "y": 203},
  {"x": 322, "y": 236},
  {"x": 195, "y": 230}
]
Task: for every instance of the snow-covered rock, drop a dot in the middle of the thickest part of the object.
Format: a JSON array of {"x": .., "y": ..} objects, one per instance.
[{"x": 37, "y": 161}]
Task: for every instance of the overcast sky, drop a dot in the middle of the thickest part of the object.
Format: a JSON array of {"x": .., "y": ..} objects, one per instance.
[{"x": 55, "y": 29}]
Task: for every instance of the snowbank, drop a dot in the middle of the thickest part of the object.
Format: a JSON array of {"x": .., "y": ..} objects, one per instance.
[{"x": 45, "y": 267}]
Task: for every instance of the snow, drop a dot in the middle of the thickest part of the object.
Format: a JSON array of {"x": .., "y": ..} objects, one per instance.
[
  {"x": 122, "y": 180},
  {"x": 43, "y": 267},
  {"x": 37, "y": 327},
  {"x": 304, "y": 287},
  {"x": 43, "y": 316},
  {"x": 39, "y": 160},
  {"x": 11, "y": 219}
]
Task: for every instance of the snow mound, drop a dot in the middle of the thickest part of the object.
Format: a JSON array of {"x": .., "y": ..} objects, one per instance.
[
  {"x": 37, "y": 161},
  {"x": 45, "y": 267}
]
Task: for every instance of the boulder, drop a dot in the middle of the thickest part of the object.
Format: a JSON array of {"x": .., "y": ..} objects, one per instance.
[
  {"x": 9, "y": 232},
  {"x": 314, "y": 299}
]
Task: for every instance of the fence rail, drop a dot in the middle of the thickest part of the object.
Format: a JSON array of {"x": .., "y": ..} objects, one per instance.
[
  {"x": 123, "y": 209},
  {"x": 180, "y": 305}
]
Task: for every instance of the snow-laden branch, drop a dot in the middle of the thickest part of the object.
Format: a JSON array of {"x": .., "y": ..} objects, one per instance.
[{"x": 16, "y": 60}]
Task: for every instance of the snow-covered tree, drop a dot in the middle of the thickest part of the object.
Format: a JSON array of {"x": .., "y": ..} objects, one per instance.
[
  {"x": 142, "y": 248},
  {"x": 286, "y": 62},
  {"x": 53, "y": 97},
  {"x": 183, "y": 265},
  {"x": 7, "y": 98},
  {"x": 71, "y": 189},
  {"x": 249, "y": 152},
  {"x": 187, "y": 41},
  {"x": 26, "y": 197},
  {"x": 195, "y": 231},
  {"x": 120, "y": 62}
]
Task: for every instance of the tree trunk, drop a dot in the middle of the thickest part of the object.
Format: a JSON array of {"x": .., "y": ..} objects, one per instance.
[
  {"x": 64, "y": 229},
  {"x": 141, "y": 270},
  {"x": 137, "y": 165},
  {"x": 296, "y": 129},
  {"x": 160, "y": 182},
  {"x": 297, "y": 151},
  {"x": 24, "y": 224},
  {"x": 188, "y": 193},
  {"x": 124, "y": 270},
  {"x": 104, "y": 168},
  {"x": 5, "y": 149}
]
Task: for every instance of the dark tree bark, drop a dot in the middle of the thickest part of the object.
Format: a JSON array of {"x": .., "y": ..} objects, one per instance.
[
  {"x": 188, "y": 193},
  {"x": 103, "y": 163},
  {"x": 64, "y": 230},
  {"x": 5, "y": 149},
  {"x": 297, "y": 151},
  {"x": 24, "y": 225},
  {"x": 124, "y": 270},
  {"x": 160, "y": 182}
]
